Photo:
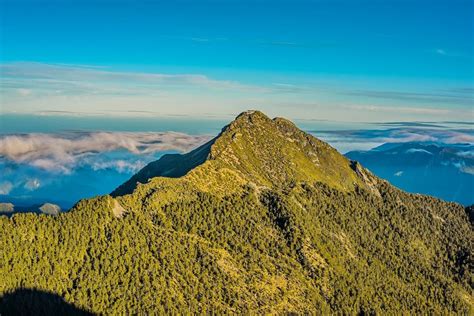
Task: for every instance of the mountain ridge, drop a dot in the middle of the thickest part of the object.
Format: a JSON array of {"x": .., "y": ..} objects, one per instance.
[{"x": 237, "y": 146}]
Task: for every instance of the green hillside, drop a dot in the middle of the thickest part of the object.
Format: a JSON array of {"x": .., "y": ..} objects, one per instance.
[{"x": 264, "y": 219}]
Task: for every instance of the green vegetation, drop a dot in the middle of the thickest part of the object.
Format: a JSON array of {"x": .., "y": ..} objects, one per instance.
[{"x": 271, "y": 221}]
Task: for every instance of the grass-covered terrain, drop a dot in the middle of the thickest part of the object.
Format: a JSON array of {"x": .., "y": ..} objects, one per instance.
[{"x": 263, "y": 219}]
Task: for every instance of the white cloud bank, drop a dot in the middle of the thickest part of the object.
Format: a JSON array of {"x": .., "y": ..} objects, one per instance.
[{"x": 64, "y": 151}]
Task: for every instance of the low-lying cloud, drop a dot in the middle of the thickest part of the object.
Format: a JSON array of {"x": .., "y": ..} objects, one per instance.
[
  {"x": 62, "y": 152},
  {"x": 418, "y": 150},
  {"x": 121, "y": 166}
]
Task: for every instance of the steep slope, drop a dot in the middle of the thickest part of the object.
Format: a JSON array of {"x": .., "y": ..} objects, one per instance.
[
  {"x": 170, "y": 165},
  {"x": 263, "y": 219}
]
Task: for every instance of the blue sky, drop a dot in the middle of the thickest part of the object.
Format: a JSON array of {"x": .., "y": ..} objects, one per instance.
[{"x": 336, "y": 60}]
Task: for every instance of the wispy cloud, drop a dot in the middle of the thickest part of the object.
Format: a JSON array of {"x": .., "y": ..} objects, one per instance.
[
  {"x": 459, "y": 137},
  {"x": 468, "y": 169},
  {"x": 83, "y": 77},
  {"x": 467, "y": 154},
  {"x": 37, "y": 87},
  {"x": 121, "y": 166},
  {"x": 5, "y": 187},
  {"x": 64, "y": 151},
  {"x": 275, "y": 42},
  {"x": 450, "y": 97},
  {"x": 32, "y": 184},
  {"x": 200, "y": 39},
  {"x": 23, "y": 92},
  {"x": 411, "y": 124},
  {"x": 290, "y": 88},
  {"x": 293, "y": 44},
  {"x": 418, "y": 150},
  {"x": 58, "y": 89},
  {"x": 446, "y": 53},
  {"x": 33, "y": 82},
  {"x": 398, "y": 109}
]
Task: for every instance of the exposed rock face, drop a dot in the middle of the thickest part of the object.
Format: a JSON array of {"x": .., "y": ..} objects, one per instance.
[
  {"x": 366, "y": 176},
  {"x": 118, "y": 209}
]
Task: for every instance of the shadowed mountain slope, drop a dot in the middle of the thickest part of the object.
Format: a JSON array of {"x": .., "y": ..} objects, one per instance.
[
  {"x": 170, "y": 165},
  {"x": 264, "y": 219},
  {"x": 38, "y": 303}
]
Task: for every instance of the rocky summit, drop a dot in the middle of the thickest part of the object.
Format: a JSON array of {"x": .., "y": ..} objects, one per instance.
[{"x": 263, "y": 219}]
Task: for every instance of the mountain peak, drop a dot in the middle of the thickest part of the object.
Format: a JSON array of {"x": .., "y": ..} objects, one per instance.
[
  {"x": 251, "y": 115},
  {"x": 256, "y": 149},
  {"x": 256, "y": 117},
  {"x": 247, "y": 119}
]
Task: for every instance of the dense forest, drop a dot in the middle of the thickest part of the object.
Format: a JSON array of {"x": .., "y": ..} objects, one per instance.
[{"x": 272, "y": 221}]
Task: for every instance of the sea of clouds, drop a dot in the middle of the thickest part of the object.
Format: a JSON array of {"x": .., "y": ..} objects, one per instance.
[
  {"x": 63, "y": 167},
  {"x": 62, "y": 152}
]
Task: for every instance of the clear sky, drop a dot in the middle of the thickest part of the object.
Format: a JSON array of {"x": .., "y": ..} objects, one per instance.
[{"x": 346, "y": 60}]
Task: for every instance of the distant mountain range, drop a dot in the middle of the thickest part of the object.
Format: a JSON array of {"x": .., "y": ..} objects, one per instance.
[
  {"x": 263, "y": 219},
  {"x": 442, "y": 170}
]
